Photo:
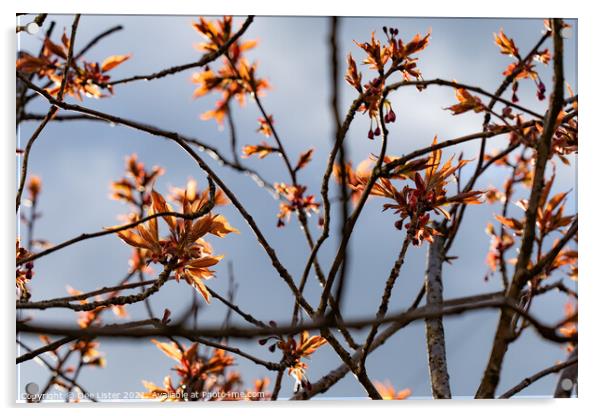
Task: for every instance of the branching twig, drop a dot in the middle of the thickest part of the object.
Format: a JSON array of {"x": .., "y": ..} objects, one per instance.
[
  {"x": 267, "y": 364},
  {"x": 51, "y": 112},
  {"x": 212, "y": 151},
  {"x": 205, "y": 59},
  {"x": 86, "y": 236},
  {"x": 97, "y": 39}
]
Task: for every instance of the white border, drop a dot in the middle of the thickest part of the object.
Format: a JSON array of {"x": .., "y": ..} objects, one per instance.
[{"x": 589, "y": 186}]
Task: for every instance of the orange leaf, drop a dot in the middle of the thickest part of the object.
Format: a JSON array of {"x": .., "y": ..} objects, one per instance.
[
  {"x": 159, "y": 205},
  {"x": 30, "y": 64},
  {"x": 512, "y": 223},
  {"x": 113, "y": 61},
  {"x": 57, "y": 50},
  {"x": 304, "y": 159},
  {"x": 171, "y": 349},
  {"x": 507, "y": 46},
  {"x": 134, "y": 239},
  {"x": 203, "y": 262},
  {"x": 262, "y": 150},
  {"x": 466, "y": 102},
  {"x": 221, "y": 227},
  {"x": 198, "y": 284}
]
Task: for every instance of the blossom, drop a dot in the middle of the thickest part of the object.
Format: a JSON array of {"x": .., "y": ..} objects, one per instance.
[
  {"x": 184, "y": 243},
  {"x": 235, "y": 79},
  {"x": 34, "y": 187},
  {"x": 190, "y": 194},
  {"x": 295, "y": 201},
  {"x": 265, "y": 125},
  {"x": 23, "y": 273},
  {"x": 134, "y": 187},
  {"x": 378, "y": 55},
  {"x": 198, "y": 373},
  {"x": 522, "y": 68},
  {"x": 388, "y": 392},
  {"x": 85, "y": 79},
  {"x": 294, "y": 351},
  {"x": 262, "y": 150},
  {"x": 427, "y": 194}
]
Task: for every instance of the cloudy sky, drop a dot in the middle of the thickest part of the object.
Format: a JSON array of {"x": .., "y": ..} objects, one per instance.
[{"x": 78, "y": 160}]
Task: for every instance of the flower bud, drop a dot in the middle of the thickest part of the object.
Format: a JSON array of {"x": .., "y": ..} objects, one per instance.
[{"x": 392, "y": 116}]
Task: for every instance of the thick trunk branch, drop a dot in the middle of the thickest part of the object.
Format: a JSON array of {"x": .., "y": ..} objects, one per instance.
[
  {"x": 505, "y": 332},
  {"x": 435, "y": 336}
]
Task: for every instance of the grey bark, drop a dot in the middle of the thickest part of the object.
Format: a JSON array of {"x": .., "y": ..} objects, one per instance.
[{"x": 435, "y": 336}]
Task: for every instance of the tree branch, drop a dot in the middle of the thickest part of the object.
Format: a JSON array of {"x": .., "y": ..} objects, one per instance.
[
  {"x": 46, "y": 348},
  {"x": 205, "y": 59},
  {"x": 435, "y": 336},
  {"x": 51, "y": 112},
  {"x": 451, "y": 308},
  {"x": 86, "y": 236},
  {"x": 540, "y": 374},
  {"x": 504, "y": 330}
]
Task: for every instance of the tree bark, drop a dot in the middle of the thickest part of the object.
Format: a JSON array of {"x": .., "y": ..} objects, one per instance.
[
  {"x": 435, "y": 336},
  {"x": 505, "y": 331}
]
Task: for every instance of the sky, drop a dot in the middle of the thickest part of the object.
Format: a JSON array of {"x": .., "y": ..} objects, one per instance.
[{"x": 77, "y": 161}]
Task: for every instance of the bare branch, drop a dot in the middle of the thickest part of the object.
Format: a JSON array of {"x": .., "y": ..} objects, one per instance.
[
  {"x": 51, "y": 112},
  {"x": 97, "y": 39},
  {"x": 212, "y": 151},
  {"x": 453, "y": 84},
  {"x": 451, "y": 308},
  {"x": 435, "y": 336},
  {"x": 46, "y": 348},
  {"x": 65, "y": 302},
  {"x": 267, "y": 364},
  {"x": 540, "y": 374}
]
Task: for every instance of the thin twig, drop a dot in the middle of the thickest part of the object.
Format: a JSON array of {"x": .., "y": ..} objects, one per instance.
[
  {"x": 61, "y": 374},
  {"x": 51, "y": 112},
  {"x": 205, "y": 59},
  {"x": 540, "y": 374},
  {"x": 86, "y": 236},
  {"x": 46, "y": 348},
  {"x": 97, "y": 39}
]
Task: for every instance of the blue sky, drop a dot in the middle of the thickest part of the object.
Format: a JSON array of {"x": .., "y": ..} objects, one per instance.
[{"x": 77, "y": 161}]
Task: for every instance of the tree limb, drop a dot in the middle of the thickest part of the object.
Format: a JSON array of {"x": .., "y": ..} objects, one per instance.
[
  {"x": 435, "y": 336},
  {"x": 504, "y": 330}
]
